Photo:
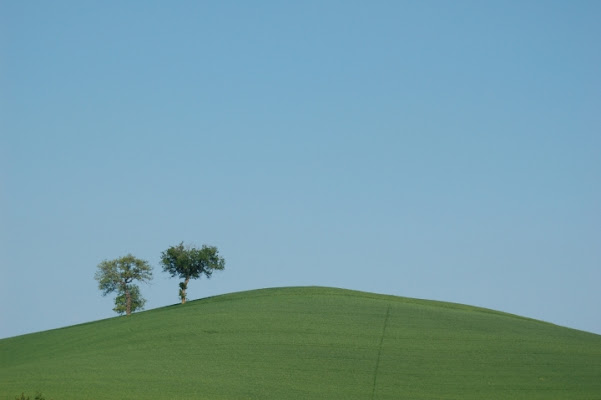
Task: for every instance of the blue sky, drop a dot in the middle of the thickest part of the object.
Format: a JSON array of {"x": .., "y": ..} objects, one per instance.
[{"x": 439, "y": 150}]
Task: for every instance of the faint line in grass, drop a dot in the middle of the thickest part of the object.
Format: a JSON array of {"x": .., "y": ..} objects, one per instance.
[{"x": 373, "y": 390}]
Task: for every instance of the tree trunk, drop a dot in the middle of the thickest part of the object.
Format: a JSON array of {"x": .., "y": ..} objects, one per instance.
[
  {"x": 184, "y": 288},
  {"x": 127, "y": 302}
]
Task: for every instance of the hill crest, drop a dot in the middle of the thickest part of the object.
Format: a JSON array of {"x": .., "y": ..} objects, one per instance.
[{"x": 306, "y": 342}]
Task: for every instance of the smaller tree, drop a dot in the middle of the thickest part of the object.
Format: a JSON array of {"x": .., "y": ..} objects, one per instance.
[
  {"x": 191, "y": 263},
  {"x": 117, "y": 276}
]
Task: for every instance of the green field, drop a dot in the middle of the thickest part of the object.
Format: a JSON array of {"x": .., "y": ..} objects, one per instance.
[{"x": 306, "y": 343}]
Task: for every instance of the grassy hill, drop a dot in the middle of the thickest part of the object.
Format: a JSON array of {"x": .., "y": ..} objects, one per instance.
[{"x": 306, "y": 343}]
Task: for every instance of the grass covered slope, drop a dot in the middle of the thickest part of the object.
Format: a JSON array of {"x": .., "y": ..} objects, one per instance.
[{"x": 306, "y": 343}]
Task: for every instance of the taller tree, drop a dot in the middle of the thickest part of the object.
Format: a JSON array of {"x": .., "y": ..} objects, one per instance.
[{"x": 186, "y": 262}]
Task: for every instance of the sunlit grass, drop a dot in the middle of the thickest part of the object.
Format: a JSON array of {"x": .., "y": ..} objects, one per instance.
[{"x": 306, "y": 343}]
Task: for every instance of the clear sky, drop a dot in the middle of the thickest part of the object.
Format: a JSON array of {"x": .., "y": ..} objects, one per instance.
[{"x": 430, "y": 149}]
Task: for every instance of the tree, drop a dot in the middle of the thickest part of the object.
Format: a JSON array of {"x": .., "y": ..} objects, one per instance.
[
  {"x": 117, "y": 276},
  {"x": 191, "y": 263}
]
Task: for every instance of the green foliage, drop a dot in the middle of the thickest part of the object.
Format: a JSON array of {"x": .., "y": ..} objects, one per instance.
[
  {"x": 117, "y": 276},
  {"x": 188, "y": 262},
  {"x": 38, "y": 396},
  {"x": 307, "y": 343},
  {"x": 137, "y": 301}
]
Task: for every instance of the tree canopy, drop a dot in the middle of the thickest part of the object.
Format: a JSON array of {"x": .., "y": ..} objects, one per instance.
[
  {"x": 118, "y": 276},
  {"x": 187, "y": 262}
]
